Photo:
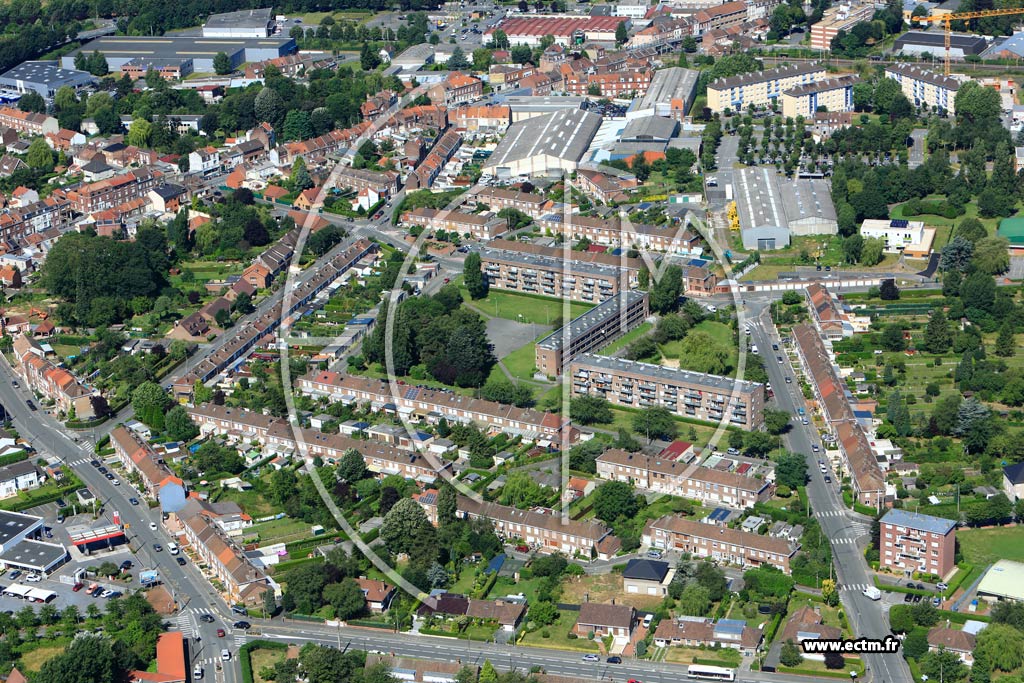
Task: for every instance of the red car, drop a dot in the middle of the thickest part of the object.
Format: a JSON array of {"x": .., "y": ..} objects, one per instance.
[
  {"x": 220, "y": 633},
  {"x": 522, "y": 548},
  {"x": 77, "y": 587}
]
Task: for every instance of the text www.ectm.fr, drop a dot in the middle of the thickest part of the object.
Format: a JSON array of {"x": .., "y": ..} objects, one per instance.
[{"x": 856, "y": 646}]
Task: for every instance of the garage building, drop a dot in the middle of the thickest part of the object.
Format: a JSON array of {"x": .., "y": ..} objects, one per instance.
[
  {"x": 34, "y": 556},
  {"x": 1003, "y": 581},
  {"x": 772, "y": 208},
  {"x": 546, "y": 145}
]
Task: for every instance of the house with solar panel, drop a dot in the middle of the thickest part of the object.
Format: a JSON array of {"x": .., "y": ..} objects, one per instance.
[
  {"x": 700, "y": 632},
  {"x": 900, "y": 236}
]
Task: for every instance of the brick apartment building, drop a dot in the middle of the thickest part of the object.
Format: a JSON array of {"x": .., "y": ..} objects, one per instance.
[
  {"x": 106, "y": 194},
  {"x": 912, "y": 542},
  {"x": 384, "y": 183},
  {"x": 661, "y": 474},
  {"x": 496, "y": 198},
  {"x": 691, "y": 394},
  {"x": 582, "y": 276},
  {"x": 719, "y": 543},
  {"x": 478, "y": 226},
  {"x": 613, "y": 232},
  {"x": 595, "y": 328}
]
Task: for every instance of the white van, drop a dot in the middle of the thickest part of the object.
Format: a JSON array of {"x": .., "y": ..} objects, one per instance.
[
  {"x": 225, "y": 654},
  {"x": 197, "y": 673},
  {"x": 172, "y": 548},
  {"x": 753, "y": 349},
  {"x": 647, "y": 620}
]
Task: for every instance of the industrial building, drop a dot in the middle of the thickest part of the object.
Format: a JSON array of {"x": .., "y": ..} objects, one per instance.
[
  {"x": 772, "y": 208},
  {"x": 760, "y": 88},
  {"x": 691, "y": 394},
  {"x": 650, "y": 129},
  {"x": 671, "y": 93},
  {"x": 44, "y": 78},
  {"x": 248, "y": 23},
  {"x": 595, "y": 328},
  {"x": 924, "y": 88},
  {"x": 933, "y": 44},
  {"x": 831, "y": 94},
  {"x": 529, "y": 106},
  {"x": 548, "y": 145},
  {"x": 187, "y": 53},
  {"x": 566, "y": 30},
  {"x": 1003, "y": 581}
]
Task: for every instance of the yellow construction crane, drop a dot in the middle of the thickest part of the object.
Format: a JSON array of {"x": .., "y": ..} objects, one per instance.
[{"x": 947, "y": 19}]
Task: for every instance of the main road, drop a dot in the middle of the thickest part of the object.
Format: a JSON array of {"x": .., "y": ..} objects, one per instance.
[{"x": 847, "y": 531}]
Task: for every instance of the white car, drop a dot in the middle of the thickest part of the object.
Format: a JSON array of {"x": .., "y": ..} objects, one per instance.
[
  {"x": 106, "y": 593},
  {"x": 152, "y": 526},
  {"x": 116, "y": 482},
  {"x": 33, "y": 578}
]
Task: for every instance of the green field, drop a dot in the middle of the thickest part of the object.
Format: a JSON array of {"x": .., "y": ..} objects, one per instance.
[
  {"x": 525, "y": 308},
  {"x": 521, "y": 362},
  {"x": 984, "y": 546},
  {"x": 626, "y": 339}
]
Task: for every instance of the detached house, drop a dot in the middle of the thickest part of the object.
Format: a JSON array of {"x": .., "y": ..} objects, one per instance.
[{"x": 605, "y": 620}]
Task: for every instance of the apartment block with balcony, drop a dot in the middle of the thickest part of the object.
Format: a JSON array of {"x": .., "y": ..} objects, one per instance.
[
  {"x": 683, "y": 392},
  {"x": 912, "y": 542},
  {"x": 595, "y": 328},
  {"x": 842, "y": 17},
  {"x": 925, "y": 89},
  {"x": 831, "y": 94},
  {"x": 760, "y": 88},
  {"x": 549, "y": 274}
]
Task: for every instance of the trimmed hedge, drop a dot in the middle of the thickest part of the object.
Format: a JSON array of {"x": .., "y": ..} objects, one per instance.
[
  {"x": 803, "y": 672},
  {"x": 773, "y": 627},
  {"x": 713, "y": 662},
  {"x": 13, "y": 458},
  {"x": 245, "y": 655}
]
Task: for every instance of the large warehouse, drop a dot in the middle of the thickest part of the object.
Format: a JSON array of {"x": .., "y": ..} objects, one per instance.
[
  {"x": 671, "y": 93},
  {"x": 545, "y": 145},
  {"x": 165, "y": 51},
  {"x": 1003, "y": 581},
  {"x": 247, "y": 23},
  {"x": 44, "y": 78},
  {"x": 933, "y": 44},
  {"x": 772, "y": 208}
]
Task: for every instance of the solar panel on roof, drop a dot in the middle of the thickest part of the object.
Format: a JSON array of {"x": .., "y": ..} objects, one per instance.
[
  {"x": 899, "y": 223},
  {"x": 410, "y": 393}
]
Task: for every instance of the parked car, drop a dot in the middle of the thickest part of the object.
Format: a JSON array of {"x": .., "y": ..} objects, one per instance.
[
  {"x": 133, "y": 501},
  {"x": 909, "y": 597},
  {"x": 94, "y": 463},
  {"x": 181, "y": 561},
  {"x": 158, "y": 548},
  {"x": 941, "y": 585},
  {"x": 31, "y": 405},
  {"x": 77, "y": 587},
  {"x": 152, "y": 526},
  {"x": 126, "y": 565},
  {"x": 106, "y": 593},
  {"x": 654, "y": 554},
  {"x": 15, "y": 574},
  {"x": 60, "y": 503},
  {"x": 591, "y": 658},
  {"x": 96, "y": 593},
  {"x": 102, "y": 470},
  {"x": 240, "y": 609},
  {"x": 33, "y": 578}
]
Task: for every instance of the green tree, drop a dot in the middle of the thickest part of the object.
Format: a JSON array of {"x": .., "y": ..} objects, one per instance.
[
  {"x": 790, "y": 655},
  {"x": 369, "y": 60},
  {"x": 140, "y": 132},
  {"x": 621, "y": 34},
  {"x": 992, "y": 255},
  {"x": 149, "y": 401},
  {"x": 268, "y": 106},
  {"x": 1005, "y": 343},
  {"x": 759, "y": 444},
  {"x": 521, "y": 491},
  {"x": 487, "y": 673},
  {"x": 179, "y": 425},
  {"x": 346, "y": 598},
  {"x": 776, "y": 421},
  {"x": 956, "y": 255},
  {"x": 872, "y": 251},
  {"x": 655, "y": 423},
  {"x": 666, "y": 291},
  {"x": 406, "y": 529},
  {"x": 457, "y": 61},
  {"x": 97, "y": 64},
  {"x": 352, "y": 467},
  {"x": 222, "y": 64},
  {"x": 694, "y": 601},
  {"x": 615, "y": 499},
  {"x": 473, "y": 276},
  {"x": 1001, "y": 646},
  {"x": 937, "y": 337},
  {"x": 587, "y": 410},
  {"x": 791, "y": 470},
  {"x": 702, "y": 353},
  {"x": 892, "y": 338},
  {"x": 40, "y": 156},
  {"x": 32, "y": 101},
  {"x": 944, "y": 665}
]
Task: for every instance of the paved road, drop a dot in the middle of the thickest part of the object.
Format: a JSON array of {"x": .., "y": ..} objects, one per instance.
[
  {"x": 192, "y": 592},
  {"x": 847, "y": 531},
  {"x": 917, "y": 149}
]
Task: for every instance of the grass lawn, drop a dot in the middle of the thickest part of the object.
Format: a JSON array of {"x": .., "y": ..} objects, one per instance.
[
  {"x": 262, "y": 658},
  {"x": 686, "y": 655},
  {"x": 979, "y": 546},
  {"x": 626, "y": 339},
  {"x": 818, "y": 666},
  {"x": 283, "y": 530},
  {"x": 991, "y": 224},
  {"x": 604, "y": 588},
  {"x": 522, "y": 362},
  {"x": 533, "y": 309},
  {"x": 557, "y": 636},
  {"x": 33, "y": 660},
  {"x": 253, "y": 503}
]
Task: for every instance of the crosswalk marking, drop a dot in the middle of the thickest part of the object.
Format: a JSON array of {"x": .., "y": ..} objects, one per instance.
[
  {"x": 830, "y": 513},
  {"x": 844, "y": 541},
  {"x": 857, "y": 587}
]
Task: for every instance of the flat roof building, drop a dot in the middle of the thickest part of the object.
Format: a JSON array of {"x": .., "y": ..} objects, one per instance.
[
  {"x": 913, "y": 542},
  {"x": 838, "y": 18},
  {"x": 760, "y": 88},
  {"x": 933, "y": 43},
  {"x": 528, "y": 106},
  {"x": 712, "y": 398},
  {"x": 1003, "y": 581},
  {"x": 671, "y": 93},
  {"x": 248, "y": 23},
  {"x": 830, "y": 94},
  {"x": 547, "y": 145},
  {"x": 925, "y": 89},
  {"x": 164, "y": 51},
  {"x": 595, "y": 328},
  {"x": 900, "y": 236},
  {"x": 772, "y": 208},
  {"x": 650, "y": 129},
  {"x": 44, "y": 78}
]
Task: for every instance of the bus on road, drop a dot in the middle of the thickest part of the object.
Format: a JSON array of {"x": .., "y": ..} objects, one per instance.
[{"x": 710, "y": 673}]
